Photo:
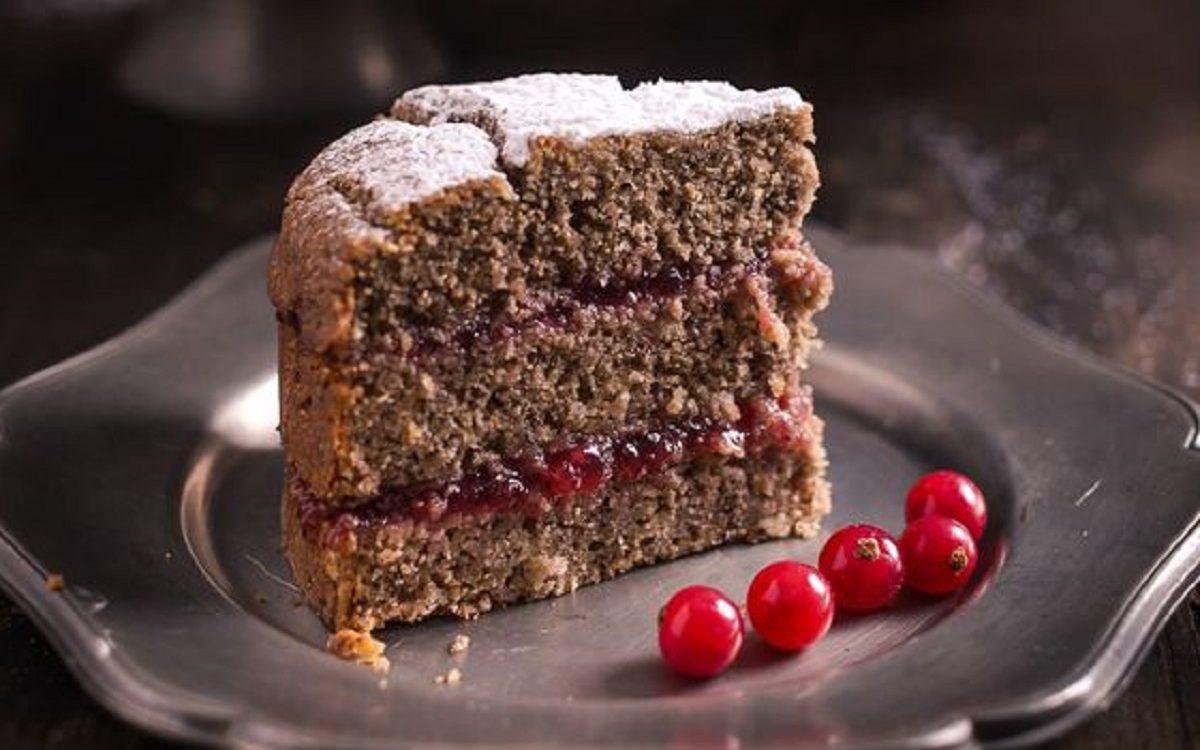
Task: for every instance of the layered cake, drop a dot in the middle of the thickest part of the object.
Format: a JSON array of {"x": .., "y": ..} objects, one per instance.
[{"x": 540, "y": 331}]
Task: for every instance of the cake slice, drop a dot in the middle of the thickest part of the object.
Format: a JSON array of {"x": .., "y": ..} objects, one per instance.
[{"x": 540, "y": 331}]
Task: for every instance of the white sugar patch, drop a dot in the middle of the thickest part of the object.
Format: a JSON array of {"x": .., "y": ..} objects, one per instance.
[
  {"x": 399, "y": 163},
  {"x": 576, "y": 107}
]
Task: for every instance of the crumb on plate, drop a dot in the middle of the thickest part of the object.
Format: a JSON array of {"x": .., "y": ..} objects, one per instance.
[
  {"x": 358, "y": 647},
  {"x": 453, "y": 677}
]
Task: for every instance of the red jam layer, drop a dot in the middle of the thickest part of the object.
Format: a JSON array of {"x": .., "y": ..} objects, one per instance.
[
  {"x": 531, "y": 483},
  {"x": 554, "y": 311}
]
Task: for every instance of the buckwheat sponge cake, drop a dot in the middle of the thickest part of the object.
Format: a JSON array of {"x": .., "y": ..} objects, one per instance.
[{"x": 537, "y": 332}]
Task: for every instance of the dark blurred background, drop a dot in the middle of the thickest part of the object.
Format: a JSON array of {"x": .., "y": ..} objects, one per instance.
[{"x": 1048, "y": 152}]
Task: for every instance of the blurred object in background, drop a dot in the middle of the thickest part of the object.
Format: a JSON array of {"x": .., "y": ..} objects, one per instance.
[
  {"x": 1017, "y": 53},
  {"x": 42, "y": 39},
  {"x": 251, "y": 59}
]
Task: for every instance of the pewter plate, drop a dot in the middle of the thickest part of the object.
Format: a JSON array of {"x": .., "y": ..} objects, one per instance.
[{"x": 147, "y": 472}]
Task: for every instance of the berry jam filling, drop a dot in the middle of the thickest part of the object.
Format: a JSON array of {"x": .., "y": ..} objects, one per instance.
[
  {"x": 554, "y": 311},
  {"x": 531, "y": 483},
  {"x": 785, "y": 267}
]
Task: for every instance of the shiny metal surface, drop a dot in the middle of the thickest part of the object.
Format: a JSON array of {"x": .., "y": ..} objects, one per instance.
[{"x": 147, "y": 473}]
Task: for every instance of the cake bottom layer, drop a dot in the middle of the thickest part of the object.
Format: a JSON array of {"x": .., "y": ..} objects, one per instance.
[{"x": 406, "y": 570}]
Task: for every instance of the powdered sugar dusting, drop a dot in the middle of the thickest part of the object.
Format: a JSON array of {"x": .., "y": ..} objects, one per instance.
[
  {"x": 460, "y": 133},
  {"x": 398, "y": 163},
  {"x": 515, "y": 110},
  {"x": 577, "y": 107},
  {"x": 692, "y": 106}
]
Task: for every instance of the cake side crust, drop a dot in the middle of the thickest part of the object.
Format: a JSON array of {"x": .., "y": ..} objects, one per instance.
[{"x": 341, "y": 208}]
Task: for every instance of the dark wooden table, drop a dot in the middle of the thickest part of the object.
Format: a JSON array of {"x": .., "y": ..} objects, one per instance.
[{"x": 1049, "y": 155}]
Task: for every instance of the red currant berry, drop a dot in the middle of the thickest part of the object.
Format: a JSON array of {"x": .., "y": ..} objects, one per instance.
[
  {"x": 790, "y": 605},
  {"x": 699, "y": 631},
  {"x": 950, "y": 494},
  {"x": 863, "y": 565},
  {"x": 939, "y": 554}
]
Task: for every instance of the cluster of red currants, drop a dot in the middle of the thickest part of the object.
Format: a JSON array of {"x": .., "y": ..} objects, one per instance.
[{"x": 862, "y": 568}]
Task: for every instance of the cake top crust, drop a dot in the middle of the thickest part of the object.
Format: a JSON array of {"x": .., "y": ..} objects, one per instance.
[
  {"x": 439, "y": 137},
  {"x": 397, "y": 163},
  {"x": 576, "y": 107}
]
